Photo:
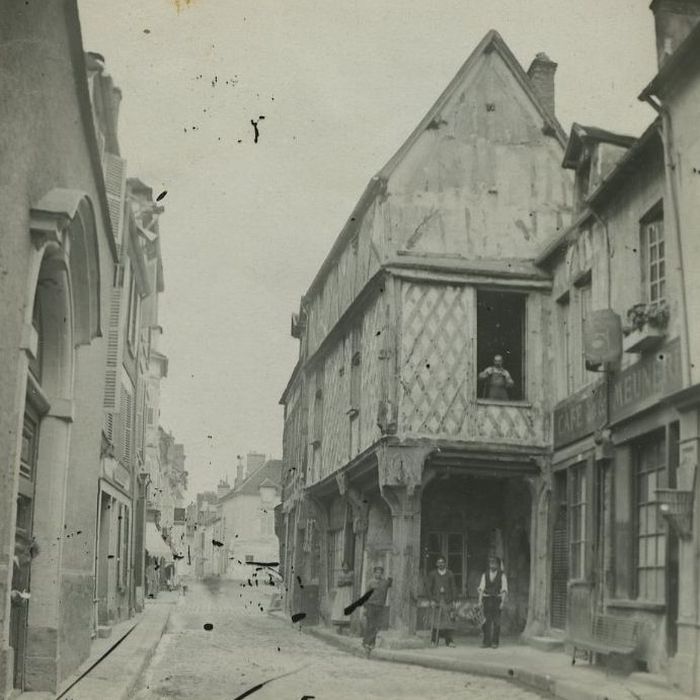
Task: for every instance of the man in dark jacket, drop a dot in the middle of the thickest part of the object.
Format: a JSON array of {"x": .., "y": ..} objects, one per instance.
[
  {"x": 442, "y": 592},
  {"x": 493, "y": 590},
  {"x": 374, "y": 607}
]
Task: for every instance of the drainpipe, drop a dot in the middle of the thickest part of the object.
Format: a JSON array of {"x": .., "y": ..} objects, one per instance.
[{"x": 670, "y": 169}]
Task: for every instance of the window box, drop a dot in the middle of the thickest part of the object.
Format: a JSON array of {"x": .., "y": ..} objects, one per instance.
[
  {"x": 643, "y": 340},
  {"x": 646, "y": 327}
]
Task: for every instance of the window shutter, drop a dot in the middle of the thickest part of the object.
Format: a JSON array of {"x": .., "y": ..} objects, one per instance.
[
  {"x": 128, "y": 430},
  {"x": 115, "y": 186},
  {"x": 140, "y": 432},
  {"x": 114, "y": 352}
]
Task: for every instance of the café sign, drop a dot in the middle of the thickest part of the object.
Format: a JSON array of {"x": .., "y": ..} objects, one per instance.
[
  {"x": 634, "y": 389},
  {"x": 581, "y": 414},
  {"x": 646, "y": 382}
]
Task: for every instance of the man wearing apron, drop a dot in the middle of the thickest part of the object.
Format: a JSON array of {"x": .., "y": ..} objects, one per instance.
[
  {"x": 497, "y": 380},
  {"x": 493, "y": 590}
]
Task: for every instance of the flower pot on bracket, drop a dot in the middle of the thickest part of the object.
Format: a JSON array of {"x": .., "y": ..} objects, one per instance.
[{"x": 644, "y": 339}]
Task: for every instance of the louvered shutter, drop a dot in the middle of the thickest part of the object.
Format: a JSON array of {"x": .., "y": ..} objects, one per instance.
[
  {"x": 129, "y": 429},
  {"x": 115, "y": 185},
  {"x": 140, "y": 396},
  {"x": 115, "y": 344}
]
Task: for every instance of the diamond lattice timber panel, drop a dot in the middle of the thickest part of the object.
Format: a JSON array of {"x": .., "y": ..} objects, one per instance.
[
  {"x": 436, "y": 368},
  {"x": 515, "y": 425}
]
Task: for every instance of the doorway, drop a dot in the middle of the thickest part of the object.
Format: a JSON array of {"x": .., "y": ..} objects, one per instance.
[
  {"x": 560, "y": 553},
  {"x": 21, "y": 574}
]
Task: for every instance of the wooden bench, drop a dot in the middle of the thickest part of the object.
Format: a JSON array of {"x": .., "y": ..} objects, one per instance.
[{"x": 607, "y": 635}]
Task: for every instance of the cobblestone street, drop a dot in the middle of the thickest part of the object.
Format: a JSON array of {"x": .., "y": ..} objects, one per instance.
[{"x": 246, "y": 647}]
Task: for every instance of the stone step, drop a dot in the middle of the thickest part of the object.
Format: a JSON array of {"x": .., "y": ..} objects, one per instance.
[
  {"x": 104, "y": 631},
  {"x": 546, "y": 643}
]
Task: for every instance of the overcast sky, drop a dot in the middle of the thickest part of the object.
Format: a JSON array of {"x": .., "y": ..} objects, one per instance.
[{"x": 340, "y": 85}]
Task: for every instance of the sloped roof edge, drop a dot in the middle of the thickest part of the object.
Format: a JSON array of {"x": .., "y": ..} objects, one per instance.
[
  {"x": 580, "y": 133},
  {"x": 492, "y": 40}
]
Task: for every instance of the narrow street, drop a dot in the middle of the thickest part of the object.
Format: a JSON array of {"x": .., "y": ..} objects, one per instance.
[{"x": 247, "y": 646}]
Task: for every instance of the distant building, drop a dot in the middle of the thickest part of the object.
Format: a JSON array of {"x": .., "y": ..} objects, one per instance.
[{"x": 248, "y": 517}]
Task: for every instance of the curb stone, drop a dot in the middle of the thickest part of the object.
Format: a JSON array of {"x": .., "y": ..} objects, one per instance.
[
  {"x": 118, "y": 675},
  {"x": 542, "y": 682}
]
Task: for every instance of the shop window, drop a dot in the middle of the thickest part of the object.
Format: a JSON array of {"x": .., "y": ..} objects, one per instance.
[
  {"x": 501, "y": 334},
  {"x": 650, "y": 550},
  {"x": 654, "y": 255},
  {"x": 577, "y": 524},
  {"x": 335, "y": 556}
]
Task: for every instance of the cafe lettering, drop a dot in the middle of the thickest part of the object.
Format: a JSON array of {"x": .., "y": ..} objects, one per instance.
[
  {"x": 646, "y": 382},
  {"x": 580, "y": 415}
]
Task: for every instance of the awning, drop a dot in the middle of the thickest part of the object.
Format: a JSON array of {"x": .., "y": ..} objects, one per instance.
[{"x": 155, "y": 545}]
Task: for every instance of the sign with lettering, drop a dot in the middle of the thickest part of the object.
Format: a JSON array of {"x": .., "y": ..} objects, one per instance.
[
  {"x": 580, "y": 414},
  {"x": 646, "y": 382}
]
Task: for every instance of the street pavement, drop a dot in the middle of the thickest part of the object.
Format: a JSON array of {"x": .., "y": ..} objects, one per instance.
[{"x": 221, "y": 642}]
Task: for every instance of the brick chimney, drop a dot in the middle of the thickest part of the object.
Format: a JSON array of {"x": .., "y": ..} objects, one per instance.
[
  {"x": 541, "y": 73},
  {"x": 673, "y": 20}
]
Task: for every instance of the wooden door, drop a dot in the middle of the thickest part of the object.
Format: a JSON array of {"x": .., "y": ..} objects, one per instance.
[
  {"x": 21, "y": 574},
  {"x": 560, "y": 554}
]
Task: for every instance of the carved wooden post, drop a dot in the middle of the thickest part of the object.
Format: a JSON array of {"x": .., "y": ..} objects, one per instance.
[
  {"x": 320, "y": 514},
  {"x": 360, "y": 521},
  {"x": 539, "y": 490},
  {"x": 400, "y": 477}
]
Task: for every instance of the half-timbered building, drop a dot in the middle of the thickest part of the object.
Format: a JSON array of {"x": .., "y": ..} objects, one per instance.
[{"x": 393, "y": 451}]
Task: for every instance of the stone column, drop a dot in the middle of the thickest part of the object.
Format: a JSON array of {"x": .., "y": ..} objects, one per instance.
[
  {"x": 42, "y": 668},
  {"x": 400, "y": 483}
]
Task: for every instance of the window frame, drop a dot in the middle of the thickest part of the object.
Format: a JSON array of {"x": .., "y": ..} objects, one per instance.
[
  {"x": 649, "y": 527},
  {"x": 522, "y": 385},
  {"x": 653, "y": 257},
  {"x": 578, "y": 517}
]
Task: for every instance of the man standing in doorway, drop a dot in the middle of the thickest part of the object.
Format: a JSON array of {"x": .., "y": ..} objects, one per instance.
[
  {"x": 493, "y": 590},
  {"x": 442, "y": 591},
  {"x": 497, "y": 380},
  {"x": 374, "y": 607}
]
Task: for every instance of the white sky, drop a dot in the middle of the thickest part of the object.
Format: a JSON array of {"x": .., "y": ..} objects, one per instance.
[{"x": 340, "y": 85}]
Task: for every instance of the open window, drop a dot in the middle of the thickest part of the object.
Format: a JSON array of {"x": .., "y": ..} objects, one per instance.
[{"x": 500, "y": 323}]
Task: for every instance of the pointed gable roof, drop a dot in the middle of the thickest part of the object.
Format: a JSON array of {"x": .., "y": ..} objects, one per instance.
[
  {"x": 491, "y": 42},
  {"x": 268, "y": 475},
  {"x": 377, "y": 185}
]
